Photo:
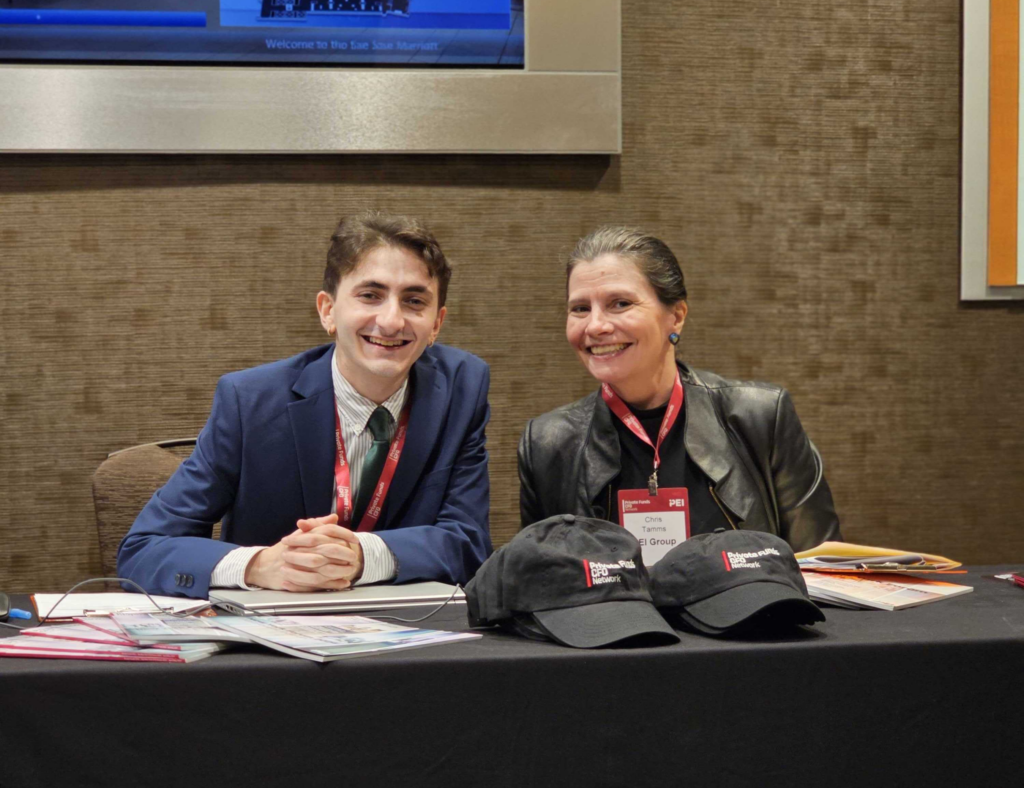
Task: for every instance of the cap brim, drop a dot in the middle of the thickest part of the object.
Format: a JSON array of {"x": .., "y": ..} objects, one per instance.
[
  {"x": 604, "y": 623},
  {"x": 731, "y": 608},
  {"x": 522, "y": 624},
  {"x": 679, "y": 619}
]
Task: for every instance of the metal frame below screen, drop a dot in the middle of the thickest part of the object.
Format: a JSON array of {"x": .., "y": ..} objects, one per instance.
[{"x": 566, "y": 100}]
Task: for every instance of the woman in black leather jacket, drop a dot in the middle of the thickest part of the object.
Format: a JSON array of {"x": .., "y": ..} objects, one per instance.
[{"x": 738, "y": 447}]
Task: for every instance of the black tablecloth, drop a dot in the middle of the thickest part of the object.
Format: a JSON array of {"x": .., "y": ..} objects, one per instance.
[{"x": 927, "y": 696}]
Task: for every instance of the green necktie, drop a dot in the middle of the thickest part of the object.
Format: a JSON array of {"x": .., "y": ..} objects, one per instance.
[{"x": 380, "y": 422}]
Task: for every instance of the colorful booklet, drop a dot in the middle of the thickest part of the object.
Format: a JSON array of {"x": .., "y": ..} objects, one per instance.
[
  {"x": 147, "y": 629},
  {"x": 894, "y": 592},
  {"x": 327, "y": 638},
  {"x": 35, "y": 647},
  {"x": 78, "y": 632}
]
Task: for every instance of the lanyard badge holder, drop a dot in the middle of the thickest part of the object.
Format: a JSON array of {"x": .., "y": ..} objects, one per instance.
[{"x": 660, "y": 516}]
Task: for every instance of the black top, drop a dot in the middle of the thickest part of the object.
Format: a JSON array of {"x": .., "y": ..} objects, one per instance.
[{"x": 677, "y": 469}]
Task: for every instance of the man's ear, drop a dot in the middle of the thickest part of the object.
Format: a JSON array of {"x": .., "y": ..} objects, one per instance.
[
  {"x": 438, "y": 322},
  {"x": 325, "y": 308}
]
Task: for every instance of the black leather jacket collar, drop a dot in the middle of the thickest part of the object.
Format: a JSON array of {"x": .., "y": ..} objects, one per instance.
[{"x": 568, "y": 458}]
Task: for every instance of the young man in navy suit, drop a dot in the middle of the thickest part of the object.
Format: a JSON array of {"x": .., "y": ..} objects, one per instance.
[{"x": 361, "y": 461}]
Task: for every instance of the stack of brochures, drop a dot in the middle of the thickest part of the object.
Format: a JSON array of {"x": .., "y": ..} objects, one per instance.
[
  {"x": 160, "y": 637},
  {"x": 875, "y": 578},
  {"x": 878, "y": 592},
  {"x": 98, "y": 639},
  {"x": 319, "y": 638},
  {"x": 845, "y": 557}
]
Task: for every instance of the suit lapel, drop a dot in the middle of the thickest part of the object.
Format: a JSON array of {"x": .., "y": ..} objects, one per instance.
[
  {"x": 313, "y": 422},
  {"x": 428, "y": 404}
]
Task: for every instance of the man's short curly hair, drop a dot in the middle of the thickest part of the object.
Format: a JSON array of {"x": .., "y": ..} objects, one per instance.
[{"x": 362, "y": 233}]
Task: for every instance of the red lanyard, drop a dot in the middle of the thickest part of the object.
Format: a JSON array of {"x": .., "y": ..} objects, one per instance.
[
  {"x": 619, "y": 408},
  {"x": 343, "y": 477}
]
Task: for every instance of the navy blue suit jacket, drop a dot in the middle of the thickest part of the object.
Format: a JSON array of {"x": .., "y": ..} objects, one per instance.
[{"x": 266, "y": 459}]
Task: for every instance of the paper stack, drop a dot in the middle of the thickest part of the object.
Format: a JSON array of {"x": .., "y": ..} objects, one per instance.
[
  {"x": 317, "y": 638},
  {"x": 845, "y": 557},
  {"x": 876, "y": 578},
  {"x": 68, "y": 606},
  {"x": 160, "y": 637},
  {"x": 878, "y": 592},
  {"x": 94, "y": 641}
]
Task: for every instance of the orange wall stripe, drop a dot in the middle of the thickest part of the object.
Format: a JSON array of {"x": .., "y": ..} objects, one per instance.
[{"x": 1004, "y": 74}]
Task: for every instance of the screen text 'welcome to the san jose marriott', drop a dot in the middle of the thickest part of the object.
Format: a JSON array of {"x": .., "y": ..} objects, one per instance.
[{"x": 420, "y": 33}]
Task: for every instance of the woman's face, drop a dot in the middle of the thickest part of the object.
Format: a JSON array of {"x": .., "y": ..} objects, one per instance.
[{"x": 615, "y": 322}]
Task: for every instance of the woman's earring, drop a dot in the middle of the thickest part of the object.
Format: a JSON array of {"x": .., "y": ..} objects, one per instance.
[{"x": 673, "y": 338}]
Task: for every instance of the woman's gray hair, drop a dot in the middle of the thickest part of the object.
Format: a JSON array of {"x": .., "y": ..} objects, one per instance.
[{"x": 654, "y": 259}]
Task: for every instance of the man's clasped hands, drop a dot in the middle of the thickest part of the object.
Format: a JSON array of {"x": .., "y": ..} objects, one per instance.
[{"x": 318, "y": 555}]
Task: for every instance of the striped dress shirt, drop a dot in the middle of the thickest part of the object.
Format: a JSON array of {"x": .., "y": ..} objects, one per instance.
[{"x": 378, "y": 561}]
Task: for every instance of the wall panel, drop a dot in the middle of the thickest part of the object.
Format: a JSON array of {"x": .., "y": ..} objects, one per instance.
[{"x": 802, "y": 159}]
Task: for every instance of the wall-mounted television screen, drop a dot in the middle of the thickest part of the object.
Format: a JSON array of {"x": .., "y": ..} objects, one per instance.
[{"x": 407, "y": 33}]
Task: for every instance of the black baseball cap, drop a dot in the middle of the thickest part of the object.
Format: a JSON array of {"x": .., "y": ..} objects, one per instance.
[
  {"x": 575, "y": 580},
  {"x": 721, "y": 582}
]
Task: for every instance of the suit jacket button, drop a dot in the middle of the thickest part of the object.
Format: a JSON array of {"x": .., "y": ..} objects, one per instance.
[
  {"x": 177, "y": 579},
  {"x": 189, "y": 581}
]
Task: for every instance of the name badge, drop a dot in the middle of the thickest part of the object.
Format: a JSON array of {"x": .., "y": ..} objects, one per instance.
[{"x": 659, "y": 522}]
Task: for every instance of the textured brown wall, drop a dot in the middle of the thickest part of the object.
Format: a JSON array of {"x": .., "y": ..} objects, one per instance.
[{"x": 801, "y": 158}]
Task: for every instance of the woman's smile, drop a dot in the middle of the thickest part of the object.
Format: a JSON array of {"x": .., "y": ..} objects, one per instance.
[{"x": 608, "y": 351}]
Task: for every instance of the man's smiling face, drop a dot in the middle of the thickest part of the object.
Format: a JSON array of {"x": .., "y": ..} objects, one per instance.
[{"x": 385, "y": 312}]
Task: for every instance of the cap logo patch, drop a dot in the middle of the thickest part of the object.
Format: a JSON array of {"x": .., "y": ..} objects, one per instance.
[
  {"x": 746, "y": 560},
  {"x": 598, "y": 573}
]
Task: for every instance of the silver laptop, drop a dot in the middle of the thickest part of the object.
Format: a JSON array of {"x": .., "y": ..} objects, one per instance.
[{"x": 353, "y": 600}]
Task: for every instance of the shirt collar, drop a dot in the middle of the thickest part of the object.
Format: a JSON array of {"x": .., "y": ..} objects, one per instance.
[{"x": 355, "y": 408}]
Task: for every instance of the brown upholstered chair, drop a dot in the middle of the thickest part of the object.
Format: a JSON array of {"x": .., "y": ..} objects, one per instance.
[{"x": 122, "y": 486}]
